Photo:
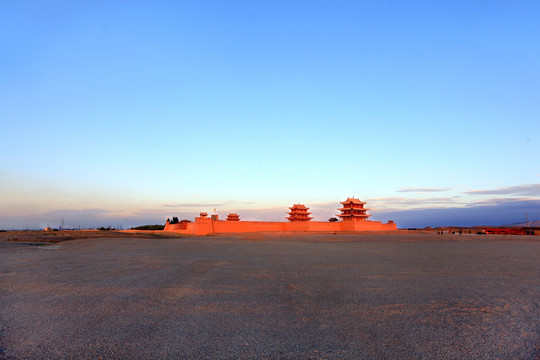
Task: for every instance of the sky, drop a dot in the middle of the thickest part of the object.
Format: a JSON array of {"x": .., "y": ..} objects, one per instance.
[{"x": 124, "y": 113}]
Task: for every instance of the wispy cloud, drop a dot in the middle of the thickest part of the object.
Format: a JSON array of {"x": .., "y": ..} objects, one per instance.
[
  {"x": 204, "y": 205},
  {"x": 79, "y": 213},
  {"x": 406, "y": 202},
  {"x": 499, "y": 213},
  {"x": 192, "y": 205},
  {"x": 524, "y": 190},
  {"x": 73, "y": 218},
  {"x": 263, "y": 214},
  {"x": 425, "y": 190},
  {"x": 441, "y": 211},
  {"x": 501, "y": 200}
]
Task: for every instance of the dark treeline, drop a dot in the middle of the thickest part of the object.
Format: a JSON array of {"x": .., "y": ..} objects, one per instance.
[{"x": 149, "y": 227}]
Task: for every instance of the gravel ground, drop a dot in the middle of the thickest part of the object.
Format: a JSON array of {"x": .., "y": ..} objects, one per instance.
[{"x": 385, "y": 296}]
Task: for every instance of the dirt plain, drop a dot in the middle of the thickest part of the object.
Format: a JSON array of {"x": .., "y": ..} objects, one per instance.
[{"x": 265, "y": 296}]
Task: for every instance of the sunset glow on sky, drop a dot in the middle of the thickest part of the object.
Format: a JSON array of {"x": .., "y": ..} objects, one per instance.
[{"x": 126, "y": 113}]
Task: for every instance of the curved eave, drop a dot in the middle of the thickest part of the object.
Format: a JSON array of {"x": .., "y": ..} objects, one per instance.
[
  {"x": 358, "y": 209},
  {"x": 353, "y": 215},
  {"x": 353, "y": 202}
]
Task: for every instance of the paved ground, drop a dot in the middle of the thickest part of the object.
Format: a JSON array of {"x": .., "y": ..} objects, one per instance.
[{"x": 273, "y": 297}]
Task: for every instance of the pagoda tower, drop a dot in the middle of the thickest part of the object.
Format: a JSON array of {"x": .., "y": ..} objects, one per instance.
[
  {"x": 299, "y": 212},
  {"x": 353, "y": 210},
  {"x": 233, "y": 217}
]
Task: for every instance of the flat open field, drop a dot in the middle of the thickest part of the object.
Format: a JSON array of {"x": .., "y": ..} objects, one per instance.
[
  {"x": 367, "y": 296},
  {"x": 36, "y": 236}
]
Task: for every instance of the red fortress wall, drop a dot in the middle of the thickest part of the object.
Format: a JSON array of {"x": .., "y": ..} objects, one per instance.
[{"x": 353, "y": 215}]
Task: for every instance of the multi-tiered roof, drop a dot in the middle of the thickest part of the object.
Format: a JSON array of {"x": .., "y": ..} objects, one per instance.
[
  {"x": 233, "y": 217},
  {"x": 299, "y": 212},
  {"x": 353, "y": 210}
]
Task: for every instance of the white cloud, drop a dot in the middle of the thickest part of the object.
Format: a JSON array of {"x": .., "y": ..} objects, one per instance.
[
  {"x": 524, "y": 190},
  {"x": 426, "y": 190}
]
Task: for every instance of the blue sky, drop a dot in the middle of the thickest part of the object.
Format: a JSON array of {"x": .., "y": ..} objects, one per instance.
[{"x": 125, "y": 113}]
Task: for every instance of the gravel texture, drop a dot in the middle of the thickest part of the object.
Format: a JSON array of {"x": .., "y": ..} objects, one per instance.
[{"x": 368, "y": 296}]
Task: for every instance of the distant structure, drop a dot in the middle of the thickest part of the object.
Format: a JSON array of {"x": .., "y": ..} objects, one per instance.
[
  {"x": 353, "y": 210},
  {"x": 233, "y": 217},
  {"x": 353, "y": 218},
  {"x": 299, "y": 213},
  {"x": 523, "y": 230}
]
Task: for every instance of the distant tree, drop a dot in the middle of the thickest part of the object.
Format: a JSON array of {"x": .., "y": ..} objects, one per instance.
[
  {"x": 333, "y": 219},
  {"x": 105, "y": 228},
  {"x": 174, "y": 220},
  {"x": 149, "y": 227}
]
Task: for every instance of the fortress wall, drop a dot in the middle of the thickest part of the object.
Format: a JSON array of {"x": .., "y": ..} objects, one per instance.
[
  {"x": 205, "y": 226},
  {"x": 367, "y": 226},
  {"x": 297, "y": 226},
  {"x": 248, "y": 226},
  {"x": 182, "y": 228},
  {"x": 175, "y": 227},
  {"x": 273, "y": 226},
  {"x": 323, "y": 226}
]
